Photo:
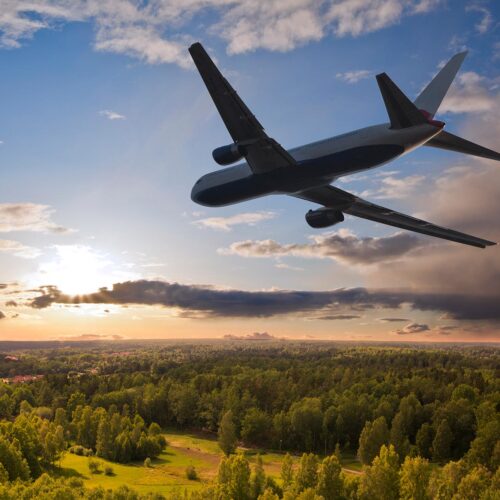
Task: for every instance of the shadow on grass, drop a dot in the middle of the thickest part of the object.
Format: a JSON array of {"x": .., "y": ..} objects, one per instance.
[{"x": 67, "y": 472}]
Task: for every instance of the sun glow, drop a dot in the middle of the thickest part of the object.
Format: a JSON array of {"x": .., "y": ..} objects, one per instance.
[{"x": 79, "y": 269}]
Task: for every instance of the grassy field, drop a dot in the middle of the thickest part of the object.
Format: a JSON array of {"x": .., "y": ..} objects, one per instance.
[{"x": 168, "y": 471}]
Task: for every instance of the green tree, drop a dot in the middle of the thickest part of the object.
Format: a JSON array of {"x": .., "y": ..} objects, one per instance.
[
  {"x": 308, "y": 494},
  {"x": 474, "y": 484},
  {"x": 330, "y": 484},
  {"x": 269, "y": 495},
  {"x": 444, "y": 481},
  {"x": 441, "y": 445},
  {"x": 381, "y": 480},
  {"x": 399, "y": 437},
  {"x": 104, "y": 444},
  {"x": 255, "y": 427},
  {"x": 258, "y": 478},
  {"x": 373, "y": 436},
  {"x": 239, "y": 478},
  {"x": 306, "y": 420},
  {"x": 464, "y": 391},
  {"x": 307, "y": 472},
  {"x": 227, "y": 434},
  {"x": 184, "y": 402},
  {"x": 414, "y": 479},
  {"x": 123, "y": 446},
  {"x": 287, "y": 472},
  {"x": 482, "y": 450},
  {"x": 424, "y": 440},
  {"x": 281, "y": 430}
]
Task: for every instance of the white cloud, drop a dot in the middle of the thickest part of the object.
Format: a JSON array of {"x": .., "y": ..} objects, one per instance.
[
  {"x": 422, "y": 6},
  {"x": 411, "y": 328},
  {"x": 355, "y": 17},
  {"x": 112, "y": 115},
  {"x": 354, "y": 76},
  {"x": 226, "y": 223},
  {"x": 155, "y": 31},
  {"x": 496, "y": 51},
  {"x": 343, "y": 246},
  {"x": 486, "y": 20},
  {"x": 393, "y": 188},
  {"x": 19, "y": 250},
  {"x": 28, "y": 217},
  {"x": 469, "y": 93}
]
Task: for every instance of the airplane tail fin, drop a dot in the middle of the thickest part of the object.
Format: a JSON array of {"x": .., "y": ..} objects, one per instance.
[
  {"x": 431, "y": 97},
  {"x": 402, "y": 112}
]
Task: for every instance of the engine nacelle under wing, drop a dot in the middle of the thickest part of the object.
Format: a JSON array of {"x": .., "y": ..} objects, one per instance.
[
  {"x": 324, "y": 217},
  {"x": 225, "y": 155}
]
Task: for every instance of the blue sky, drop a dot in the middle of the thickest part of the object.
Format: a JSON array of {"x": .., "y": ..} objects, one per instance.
[{"x": 105, "y": 126}]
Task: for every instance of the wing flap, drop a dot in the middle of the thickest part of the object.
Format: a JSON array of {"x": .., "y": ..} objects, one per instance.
[{"x": 333, "y": 197}]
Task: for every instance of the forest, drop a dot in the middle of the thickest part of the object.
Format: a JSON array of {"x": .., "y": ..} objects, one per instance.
[{"x": 422, "y": 420}]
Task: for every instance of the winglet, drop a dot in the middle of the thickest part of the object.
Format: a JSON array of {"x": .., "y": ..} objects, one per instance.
[{"x": 402, "y": 112}]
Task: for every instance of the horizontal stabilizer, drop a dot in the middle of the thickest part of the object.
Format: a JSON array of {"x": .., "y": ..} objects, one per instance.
[
  {"x": 445, "y": 140},
  {"x": 432, "y": 96},
  {"x": 402, "y": 112}
]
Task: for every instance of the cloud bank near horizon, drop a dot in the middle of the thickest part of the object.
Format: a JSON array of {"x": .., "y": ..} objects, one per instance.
[{"x": 197, "y": 301}]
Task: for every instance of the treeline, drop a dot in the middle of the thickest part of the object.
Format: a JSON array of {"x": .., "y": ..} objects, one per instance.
[
  {"x": 28, "y": 445},
  {"x": 111, "y": 435},
  {"x": 298, "y": 398},
  {"x": 311, "y": 479},
  {"x": 437, "y": 404},
  {"x": 385, "y": 479}
]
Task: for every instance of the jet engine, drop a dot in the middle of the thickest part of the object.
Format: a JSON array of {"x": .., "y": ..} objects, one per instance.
[
  {"x": 225, "y": 155},
  {"x": 324, "y": 217}
]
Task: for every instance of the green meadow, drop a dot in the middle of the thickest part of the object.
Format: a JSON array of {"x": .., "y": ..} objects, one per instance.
[{"x": 168, "y": 471}]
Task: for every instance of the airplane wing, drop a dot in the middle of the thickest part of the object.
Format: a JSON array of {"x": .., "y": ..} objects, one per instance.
[
  {"x": 263, "y": 153},
  {"x": 333, "y": 197}
]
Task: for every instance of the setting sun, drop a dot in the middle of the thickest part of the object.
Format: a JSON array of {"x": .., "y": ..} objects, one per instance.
[{"x": 79, "y": 269}]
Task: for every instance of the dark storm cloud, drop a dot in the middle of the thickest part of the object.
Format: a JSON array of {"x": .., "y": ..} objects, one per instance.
[
  {"x": 11, "y": 303},
  {"x": 2, "y": 315},
  {"x": 227, "y": 303},
  {"x": 474, "y": 307},
  {"x": 211, "y": 302}
]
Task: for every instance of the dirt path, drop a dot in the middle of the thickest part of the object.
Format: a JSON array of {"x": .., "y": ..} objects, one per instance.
[{"x": 272, "y": 467}]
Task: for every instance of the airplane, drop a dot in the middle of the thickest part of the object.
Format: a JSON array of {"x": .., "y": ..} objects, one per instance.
[{"x": 308, "y": 171}]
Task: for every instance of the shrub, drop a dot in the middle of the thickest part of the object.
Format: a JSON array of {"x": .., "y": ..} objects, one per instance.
[
  {"x": 94, "y": 466},
  {"x": 108, "y": 470},
  {"x": 191, "y": 473},
  {"x": 147, "y": 462},
  {"x": 77, "y": 450}
]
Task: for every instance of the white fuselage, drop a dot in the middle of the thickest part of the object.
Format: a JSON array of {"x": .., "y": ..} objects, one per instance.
[{"x": 318, "y": 163}]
